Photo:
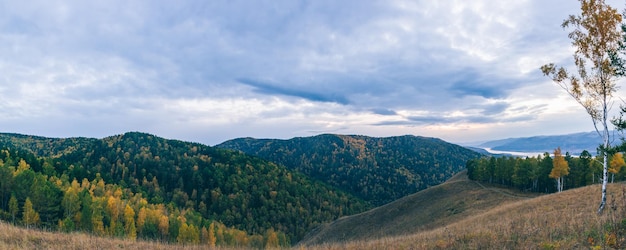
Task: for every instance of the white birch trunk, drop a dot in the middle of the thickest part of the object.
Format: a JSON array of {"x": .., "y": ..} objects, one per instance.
[{"x": 605, "y": 165}]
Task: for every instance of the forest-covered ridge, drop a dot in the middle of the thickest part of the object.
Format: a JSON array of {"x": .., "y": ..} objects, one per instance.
[
  {"x": 378, "y": 170},
  {"x": 188, "y": 183}
]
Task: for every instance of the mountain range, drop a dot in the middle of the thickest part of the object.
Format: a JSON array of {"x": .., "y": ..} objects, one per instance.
[{"x": 574, "y": 143}]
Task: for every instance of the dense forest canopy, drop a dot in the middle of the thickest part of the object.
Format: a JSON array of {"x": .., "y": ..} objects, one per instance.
[
  {"x": 378, "y": 170},
  {"x": 161, "y": 189}
]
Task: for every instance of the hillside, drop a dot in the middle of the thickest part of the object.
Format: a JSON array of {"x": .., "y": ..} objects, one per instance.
[
  {"x": 566, "y": 220},
  {"x": 573, "y": 143},
  {"x": 188, "y": 183},
  {"x": 14, "y": 237},
  {"x": 444, "y": 204},
  {"x": 379, "y": 170}
]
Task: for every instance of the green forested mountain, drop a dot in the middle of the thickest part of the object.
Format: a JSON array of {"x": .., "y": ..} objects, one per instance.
[
  {"x": 378, "y": 170},
  {"x": 161, "y": 189}
]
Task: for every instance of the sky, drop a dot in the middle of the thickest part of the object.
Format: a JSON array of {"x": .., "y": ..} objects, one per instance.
[{"x": 210, "y": 71}]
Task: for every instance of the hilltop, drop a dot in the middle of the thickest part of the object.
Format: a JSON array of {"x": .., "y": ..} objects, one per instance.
[{"x": 378, "y": 170}]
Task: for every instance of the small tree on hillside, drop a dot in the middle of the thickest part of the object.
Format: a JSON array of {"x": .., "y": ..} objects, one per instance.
[
  {"x": 596, "y": 37},
  {"x": 617, "y": 162},
  {"x": 30, "y": 217},
  {"x": 559, "y": 170}
]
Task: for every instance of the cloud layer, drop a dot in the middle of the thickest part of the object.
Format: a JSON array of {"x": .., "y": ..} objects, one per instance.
[{"x": 209, "y": 71}]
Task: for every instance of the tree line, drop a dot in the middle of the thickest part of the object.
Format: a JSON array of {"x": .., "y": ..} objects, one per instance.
[{"x": 545, "y": 173}]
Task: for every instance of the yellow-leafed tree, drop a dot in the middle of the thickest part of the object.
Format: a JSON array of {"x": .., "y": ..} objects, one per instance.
[
  {"x": 30, "y": 217},
  {"x": 560, "y": 168},
  {"x": 13, "y": 208},
  {"x": 129, "y": 223},
  {"x": 212, "y": 239},
  {"x": 617, "y": 162}
]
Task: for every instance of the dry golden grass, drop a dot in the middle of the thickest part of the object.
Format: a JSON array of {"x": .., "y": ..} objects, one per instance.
[
  {"x": 12, "y": 237},
  {"x": 567, "y": 220}
]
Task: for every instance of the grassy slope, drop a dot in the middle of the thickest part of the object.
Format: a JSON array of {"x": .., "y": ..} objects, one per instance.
[
  {"x": 567, "y": 220},
  {"x": 12, "y": 237},
  {"x": 456, "y": 199}
]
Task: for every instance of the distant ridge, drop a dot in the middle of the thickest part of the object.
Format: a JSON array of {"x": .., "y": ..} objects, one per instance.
[
  {"x": 378, "y": 170},
  {"x": 573, "y": 143}
]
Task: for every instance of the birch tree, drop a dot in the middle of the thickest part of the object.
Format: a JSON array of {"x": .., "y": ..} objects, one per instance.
[
  {"x": 596, "y": 37},
  {"x": 559, "y": 170}
]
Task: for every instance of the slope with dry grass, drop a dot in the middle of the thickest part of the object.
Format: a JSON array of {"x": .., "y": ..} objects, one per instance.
[
  {"x": 566, "y": 220},
  {"x": 454, "y": 200},
  {"x": 13, "y": 237}
]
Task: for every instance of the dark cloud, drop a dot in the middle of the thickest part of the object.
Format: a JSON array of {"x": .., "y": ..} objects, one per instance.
[
  {"x": 382, "y": 111},
  {"x": 471, "y": 83},
  {"x": 494, "y": 108},
  {"x": 269, "y": 89}
]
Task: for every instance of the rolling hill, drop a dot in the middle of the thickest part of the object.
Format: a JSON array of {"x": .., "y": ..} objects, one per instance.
[
  {"x": 378, "y": 170},
  {"x": 444, "y": 204},
  {"x": 464, "y": 215}
]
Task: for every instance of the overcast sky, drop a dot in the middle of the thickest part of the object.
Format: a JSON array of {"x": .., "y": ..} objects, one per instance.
[{"x": 209, "y": 71}]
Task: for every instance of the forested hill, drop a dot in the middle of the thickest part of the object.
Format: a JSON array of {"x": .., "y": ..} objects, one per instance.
[
  {"x": 378, "y": 170},
  {"x": 189, "y": 183}
]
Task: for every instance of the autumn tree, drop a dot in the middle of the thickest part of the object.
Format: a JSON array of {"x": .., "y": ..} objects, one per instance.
[
  {"x": 271, "y": 238},
  {"x": 188, "y": 234},
  {"x": 559, "y": 170},
  {"x": 596, "y": 36},
  {"x": 30, "y": 217},
  {"x": 211, "y": 235},
  {"x": 617, "y": 162},
  {"x": 129, "y": 223},
  {"x": 13, "y": 208},
  {"x": 71, "y": 201},
  {"x": 97, "y": 215}
]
